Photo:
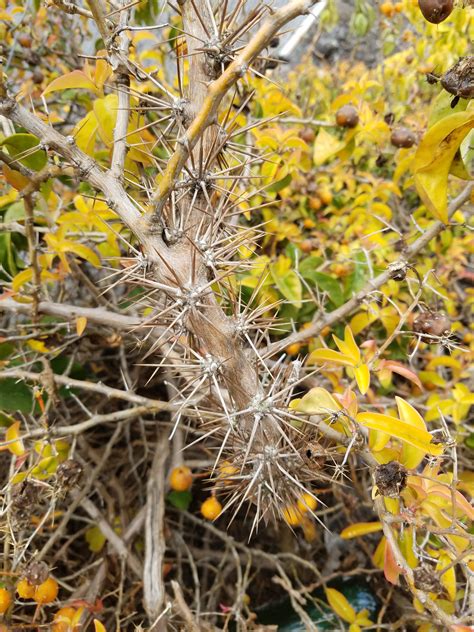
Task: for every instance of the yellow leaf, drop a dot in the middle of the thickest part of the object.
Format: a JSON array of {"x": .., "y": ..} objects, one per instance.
[
  {"x": 317, "y": 401},
  {"x": 358, "y": 529},
  {"x": 16, "y": 446},
  {"x": 81, "y": 324},
  {"x": 416, "y": 437},
  {"x": 98, "y": 626},
  {"x": 411, "y": 456},
  {"x": 434, "y": 157},
  {"x": 340, "y": 605},
  {"x": 348, "y": 346},
  {"x": 362, "y": 376},
  {"x": 328, "y": 355},
  {"x": 325, "y": 146},
  {"x": 38, "y": 345},
  {"x": 85, "y": 133},
  {"x": 448, "y": 577},
  {"x": 106, "y": 113},
  {"x": 75, "y": 79}
]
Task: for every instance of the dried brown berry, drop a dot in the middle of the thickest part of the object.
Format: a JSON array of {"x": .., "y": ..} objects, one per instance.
[
  {"x": 459, "y": 80},
  {"x": 36, "y": 573},
  {"x": 307, "y": 134},
  {"x": 391, "y": 479},
  {"x": 24, "y": 499},
  {"x": 38, "y": 76},
  {"x": 69, "y": 474},
  {"x": 436, "y": 11},
  {"x": 432, "y": 324},
  {"x": 347, "y": 116},
  {"x": 402, "y": 137}
]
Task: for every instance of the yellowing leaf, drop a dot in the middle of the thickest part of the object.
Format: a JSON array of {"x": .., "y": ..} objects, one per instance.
[
  {"x": 81, "y": 324},
  {"x": 434, "y": 157},
  {"x": 405, "y": 432},
  {"x": 348, "y": 346},
  {"x": 75, "y": 79},
  {"x": 14, "y": 444},
  {"x": 362, "y": 376},
  {"x": 318, "y": 401},
  {"x": 448, "y": 576},
  {"x": 98, "y": 626},
  {"x": 340, "y": 605},
  {"x": 358, "y": 529},
  {"x": 325, "y": 146},
  {"x": 328, "y": 355},
  {"x": 411, "y": 456}
]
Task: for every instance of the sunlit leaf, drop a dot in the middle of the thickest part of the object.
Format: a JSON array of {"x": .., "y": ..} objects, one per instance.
[
  {"x": 340, "y": 605},
  {"x": 317, "y": 401},
  {"x": 434, "y": 157},
  {"x": 362, "y": 376},
  {"x": 72, "y": 80},
  {"x": 359, "y": 529},
  {"x": 405, "y": 432}
]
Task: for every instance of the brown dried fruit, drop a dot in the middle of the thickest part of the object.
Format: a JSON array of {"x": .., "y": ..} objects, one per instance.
[
  {"x": 25, "y": 40},
  {"x": 391, "y": 479},
  {"x": 36, "y": 573},
  {"x": 459, "y": 80},
  {"x": 38, "y": 76},
  {"x": 436, "y": 11},
  {"x": 432, "y": 324},
  {"x": 402, "y": 137},
  {"x": 307, "y": 134},
  {"x": 69, "y": 474},
  {"x": 347, "y": 116},
  {"x": 24, "y": 499}
]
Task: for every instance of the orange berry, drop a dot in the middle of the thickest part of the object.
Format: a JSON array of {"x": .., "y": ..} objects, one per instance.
[
  {"x": 399, "y": 7},
  {"x": 307, "y": 245},
  {"x": 47, "y": 591},
  {"x": 307, "y": 503},
  {"x": 5, "y": 600},
  {"x": 226, "y": 470},
  {"x": 309, "y": 223},
  {"x": 325, "y": 196},
  {"x": 387, "y": 9},
  {"x": 63, "y": 620},
  {"x": 181, "y": 478},
  {"x": 293, "y": 349},
  {"x": 315, "y": 203},
  {"x": 25, "y": 590},
  {"x": 292, "y": 515},
  {"x": 211, "y": 508}
]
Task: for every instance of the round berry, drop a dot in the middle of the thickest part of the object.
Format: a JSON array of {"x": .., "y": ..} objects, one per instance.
[
  {"x": 181, "y": 479},
  {"x": 47, "y": 591},
  {"x": 307, "y": 503},
  {"x": 5, "y": 600},
  {"x": 292, "y": 515},
  {"x": 347, "y": 116},
  {"x": 25, "y": 590},
  {"x": 63, "y": 620},
  {"x": 403, "y": 137},
  {"x": 436, "y": 11},
  {"x": 211, "y": 508}
]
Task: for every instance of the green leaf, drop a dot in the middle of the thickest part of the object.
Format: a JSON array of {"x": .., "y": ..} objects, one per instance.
[
  {"x": 15, "y": 396},
  {"x": 328, "y": 284},
  {"x": 308, "y": 266},
  {"x": 357, "y": 279},
  {"x": 180, "y": 500},
  {"x": 280, "y": 184},
  {"x": 21, "y": 147}
]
